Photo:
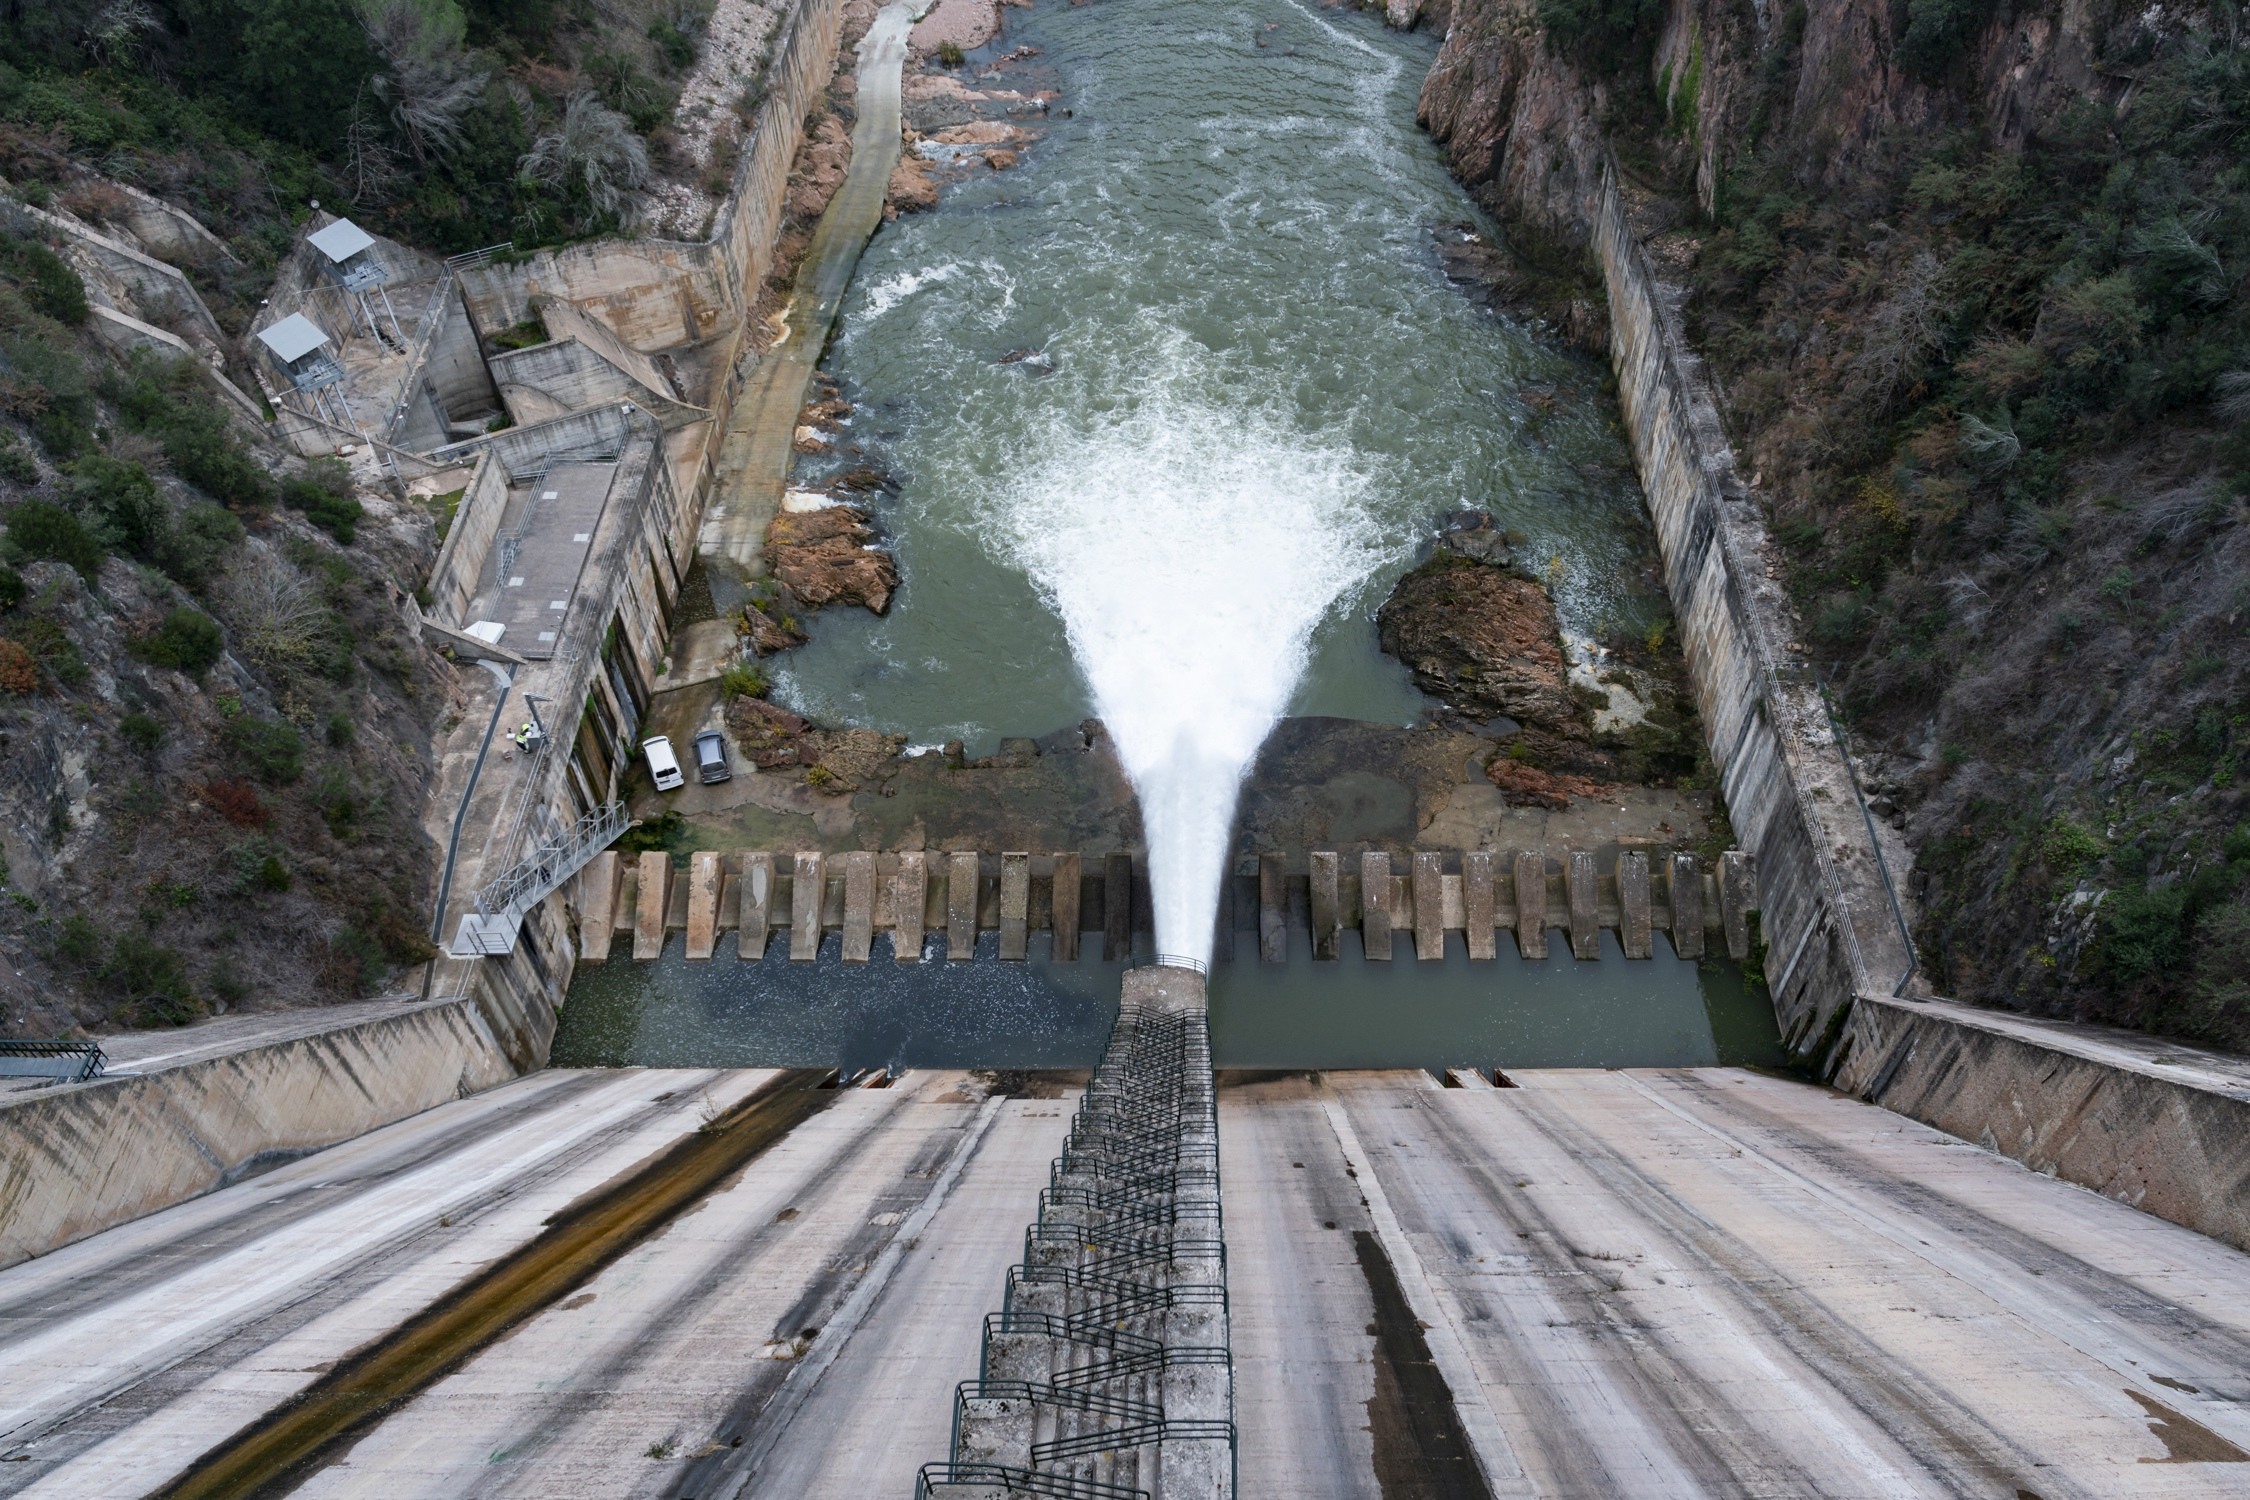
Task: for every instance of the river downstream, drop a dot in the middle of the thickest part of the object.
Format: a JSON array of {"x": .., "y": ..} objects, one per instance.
[
  {"x": 1224, "y": 255},
  {"x": 1169, "y": 406}
]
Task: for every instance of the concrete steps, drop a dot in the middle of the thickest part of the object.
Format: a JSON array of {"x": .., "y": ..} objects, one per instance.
[{"x": 1402, "y": 904}]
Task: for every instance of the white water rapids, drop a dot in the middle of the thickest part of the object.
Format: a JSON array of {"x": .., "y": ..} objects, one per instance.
[{"x": 1189, "y": 550}]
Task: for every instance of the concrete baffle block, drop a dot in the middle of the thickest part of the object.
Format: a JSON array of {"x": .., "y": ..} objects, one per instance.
[
  {"x": 910, "y": 899},
  {"x": 1375, "y": 904},
  {"x": 1683, "y": 890},
  {"x": 1063, "y": 908},
  {"x": 1015, "y": 906},
  {"x": 1327, "y": 904},
  {"x": 1429, "y": 906},
  {"x": 754, "y": 920},
  {"x": 703, "y": 903},
  {"x": 808, "y": 893},
  {"x": 1583, "y": 892},
  {"x": 1273, "y": 909},
  {"x": 859, "y": 906},
  {"x": 961, "y": 905},
  {"x": 1477, "y": 902},
  {"x": 1531, "y": 904},
  {"x": 655, "y": 899},
  {"x": 1632, "y": 904},
  {"x": 1117, "y": 908},
  {"x": 1738, "y": 897},
  {"x": 597, "y": 905}
]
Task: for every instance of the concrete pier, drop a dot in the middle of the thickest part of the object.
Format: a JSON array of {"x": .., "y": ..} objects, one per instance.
[{"x": 862, "y": 894}]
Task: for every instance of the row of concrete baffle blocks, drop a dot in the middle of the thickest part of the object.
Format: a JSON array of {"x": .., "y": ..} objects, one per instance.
[{"x": 914, "y": 895}]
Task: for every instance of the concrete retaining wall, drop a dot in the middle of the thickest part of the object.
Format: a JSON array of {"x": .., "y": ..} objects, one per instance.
[
  {"x": 460, "y": 563},
  {"x": 1828, "y": 925},
  {"x": 79, "y": 1159},
  {"x": 659, "y": 294},
  {"x": 2150, "y": 1123}
]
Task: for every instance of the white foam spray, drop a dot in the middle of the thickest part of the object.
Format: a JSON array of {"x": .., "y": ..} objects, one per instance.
[{"x": 1190, "y": 549}]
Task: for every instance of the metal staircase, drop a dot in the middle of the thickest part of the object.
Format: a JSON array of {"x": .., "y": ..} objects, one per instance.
[
  {"x": 491, "y": 929},
  {"x": 1107, "y": 1374}
]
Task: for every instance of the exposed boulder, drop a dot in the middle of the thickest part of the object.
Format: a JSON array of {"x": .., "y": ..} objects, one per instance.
[
  {"x": 912, "y": 189},
  {"x": 764, "y": 634},
  {"x": 823, "y": 557},
  {"x": 768, "y": 734},
  {"x": 1483, "y": 638}
]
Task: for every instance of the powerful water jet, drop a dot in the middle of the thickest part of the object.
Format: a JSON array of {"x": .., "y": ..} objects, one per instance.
[{"x": 1190, "y": 551}]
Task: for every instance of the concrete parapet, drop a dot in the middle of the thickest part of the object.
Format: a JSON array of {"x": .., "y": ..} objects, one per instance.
[
  {"x": 80, "y": 1158},
  {"x": 1829, "y": 926},
  {"x": 2162, "y": 1127}
]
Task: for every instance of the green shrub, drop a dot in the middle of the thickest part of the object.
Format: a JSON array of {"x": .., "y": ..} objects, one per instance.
[
  {"x": 16, "y": 463},
  {"x": 142, "y": 732},
  {"x": 78, "y": 943},
  {"x": 354, "y": 963},
  {"x": 267, "y": 749},
  {"x": 258, "y": 869},
  {"x": 120, "y": 502},
  {"x": 949, "y": 53},
  {"x": 675, "y": 46},
  {"x": 188, "y": 640},
  {"x": 49, "y": 284},
  {"x": 151, "y": 977},
  {"x": 1938, "y": 33},
  {"x": 11, "y": 587},
  {"x": 1611, "y": 34},
  {"x": 340, "y": 803},
  {"x": 324, "y": 495},
  {"x": 42, "y": 529},
  {"x": 195, "y": 548},
  {"x": 744, "y": 682}
]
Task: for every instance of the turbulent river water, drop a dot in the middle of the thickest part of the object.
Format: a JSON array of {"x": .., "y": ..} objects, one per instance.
[{"x": 1254, "y": 391}]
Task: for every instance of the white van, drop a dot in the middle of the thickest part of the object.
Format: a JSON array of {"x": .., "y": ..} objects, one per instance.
[{"x": 663, "y": 765}]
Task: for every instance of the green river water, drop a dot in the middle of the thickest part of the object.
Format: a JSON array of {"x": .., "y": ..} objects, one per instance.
[{"x": 1225, "y": 255}]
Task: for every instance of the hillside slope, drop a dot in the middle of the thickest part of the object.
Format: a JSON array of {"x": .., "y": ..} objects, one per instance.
[{"x": 1971, "y": 282}]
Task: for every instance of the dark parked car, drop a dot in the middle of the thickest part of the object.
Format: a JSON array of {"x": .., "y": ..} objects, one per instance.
[{"x": 711, "y": 757}]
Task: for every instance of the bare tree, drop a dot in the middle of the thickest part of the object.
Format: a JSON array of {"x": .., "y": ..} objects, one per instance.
[
  {"x": 114, "y": 34},
  {"x": 592, "y": 146},
  {"x": 430, "y": 82},
  {"x": 278, "y": 618},
  {"x": 2233, "y": 404},
  {"x": 369, "y": 165},
  {"x": 1902, "y": 330}
]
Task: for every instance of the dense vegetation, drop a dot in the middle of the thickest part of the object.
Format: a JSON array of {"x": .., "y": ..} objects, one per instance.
[
  {"x": 446, "y": 124},
  {"x": 1999, "y": 394},
  {"x": 214, "y": 658}
]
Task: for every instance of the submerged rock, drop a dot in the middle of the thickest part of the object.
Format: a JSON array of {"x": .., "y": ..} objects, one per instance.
[
  {"x": 822, "y": 557},
  {"x": 1484, "y": 639}
]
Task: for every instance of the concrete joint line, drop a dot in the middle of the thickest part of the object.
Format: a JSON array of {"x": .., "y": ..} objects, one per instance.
[
  {"x": 2042, "y": 1310},
  {"x": 1503, "y": 1474},
  {"x": 798, "y": 1387}
]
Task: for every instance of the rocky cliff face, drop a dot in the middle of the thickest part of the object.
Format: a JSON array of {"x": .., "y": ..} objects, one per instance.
[{"x": 1970, "y": 280}]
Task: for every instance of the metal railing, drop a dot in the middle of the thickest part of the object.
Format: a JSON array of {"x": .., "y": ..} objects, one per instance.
[
  {"x": 1017, "y": 1482},
  {"x": 547, "y": 867},
  {"x": 477, "y": 259},
  {"x": 66, "y": 1062},
  {"x": 1122, "y": 1282}
]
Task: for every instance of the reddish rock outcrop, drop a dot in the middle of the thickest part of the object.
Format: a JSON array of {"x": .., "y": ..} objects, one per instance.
[
  {"x": 823, "y": 557},
  {"x": 1484, "y": 639},
  {"x": 768, "y": 734}
]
